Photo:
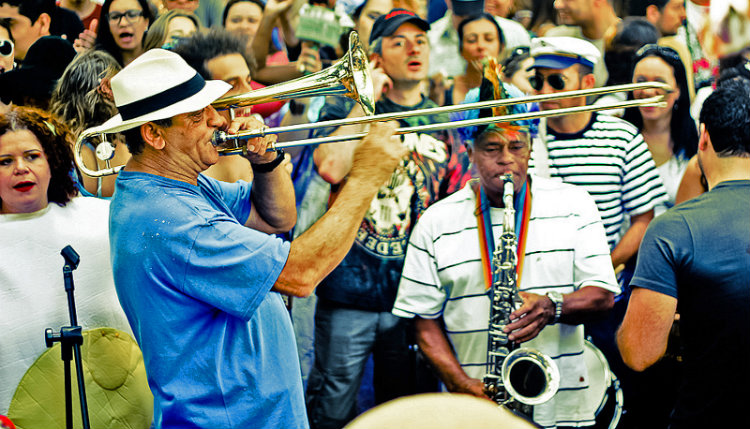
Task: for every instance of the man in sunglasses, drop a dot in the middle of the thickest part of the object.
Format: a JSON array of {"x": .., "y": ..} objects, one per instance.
[{"x": 605, "y": 155}]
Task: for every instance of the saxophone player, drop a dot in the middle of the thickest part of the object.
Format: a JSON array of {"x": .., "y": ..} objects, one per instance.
[{"x": 565, "y": 275}]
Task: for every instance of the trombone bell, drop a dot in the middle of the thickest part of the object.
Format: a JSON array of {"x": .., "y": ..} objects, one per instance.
[{"x": 349, "y": 77}]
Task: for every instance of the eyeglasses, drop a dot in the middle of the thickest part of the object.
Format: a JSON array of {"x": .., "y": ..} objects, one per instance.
[
  {"x": 660, "y": 51},
  {"x": 130, "y": 15},
  {"x": 555, "y": 80},
  {"x": 6, "y": 48}
]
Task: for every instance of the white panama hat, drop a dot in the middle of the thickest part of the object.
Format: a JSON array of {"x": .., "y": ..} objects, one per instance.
[{"x": 158, "y": 85}]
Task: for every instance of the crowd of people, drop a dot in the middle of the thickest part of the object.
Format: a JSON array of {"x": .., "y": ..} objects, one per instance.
[{"x": 298, "y": 288}]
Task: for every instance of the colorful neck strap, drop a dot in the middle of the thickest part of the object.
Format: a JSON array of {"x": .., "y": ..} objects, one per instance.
[{"x": 522, "y": 205}]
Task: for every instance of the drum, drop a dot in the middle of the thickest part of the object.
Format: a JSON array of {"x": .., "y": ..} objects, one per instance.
[{"x": 604, "y": 394}]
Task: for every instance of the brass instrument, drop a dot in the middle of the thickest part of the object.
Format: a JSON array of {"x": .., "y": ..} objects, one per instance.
[
  {"x": 517, "y": 377},
  {"x": 221, "y": 137},
  {"x": 350, "y": 77}
]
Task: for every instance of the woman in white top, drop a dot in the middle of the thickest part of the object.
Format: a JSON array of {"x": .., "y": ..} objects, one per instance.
[
  {"x": 669, "y": 131},
  {"x": 40, "y": 214}
]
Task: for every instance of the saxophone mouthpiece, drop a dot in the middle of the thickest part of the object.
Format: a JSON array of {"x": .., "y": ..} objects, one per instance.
[{"x": 507, "y": 185}]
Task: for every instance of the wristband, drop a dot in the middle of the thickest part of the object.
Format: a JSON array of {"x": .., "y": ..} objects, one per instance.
[{"x": 269, "y": 166}]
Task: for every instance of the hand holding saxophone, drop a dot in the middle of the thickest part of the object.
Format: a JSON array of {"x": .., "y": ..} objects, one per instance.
[{"x": 530, "y": 318}]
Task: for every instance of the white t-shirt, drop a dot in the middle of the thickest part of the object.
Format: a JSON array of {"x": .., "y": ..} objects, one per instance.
[{"x": 32, "y": 292}]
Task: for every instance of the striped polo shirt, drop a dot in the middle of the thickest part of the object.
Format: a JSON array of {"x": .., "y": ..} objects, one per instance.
[
  {"x": 566, "y": 249},
  {"x": 610, "y": 159}
]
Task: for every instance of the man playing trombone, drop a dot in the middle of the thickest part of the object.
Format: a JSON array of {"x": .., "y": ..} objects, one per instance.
[
  {"x": 194, "y": 273},
  {"x": 564, "y": 274}
]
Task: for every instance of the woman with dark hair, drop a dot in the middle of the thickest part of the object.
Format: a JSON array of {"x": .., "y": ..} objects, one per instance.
[
  {"x": 479, "y": 39},
  {"x": 243, "y": 16},
  {"x": 543, "y": 17},
  {"x": 40, "y": 215},
  {"x": 669, "y": 131},
  {"x": 122, "y": 28},
  {"x": 34, "y": 141}
]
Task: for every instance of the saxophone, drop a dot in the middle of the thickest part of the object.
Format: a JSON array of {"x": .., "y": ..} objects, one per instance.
[{"x": 516, "y": 377}]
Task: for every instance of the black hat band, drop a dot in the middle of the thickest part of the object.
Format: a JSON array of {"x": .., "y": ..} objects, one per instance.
[{"x": 162, "y": 99}]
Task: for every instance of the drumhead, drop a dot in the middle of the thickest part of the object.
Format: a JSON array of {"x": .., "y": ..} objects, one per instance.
[{"x": 604, "y": 397}]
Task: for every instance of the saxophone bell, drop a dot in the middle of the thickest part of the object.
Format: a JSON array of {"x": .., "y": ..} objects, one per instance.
[{"x": 531, "y": 377}]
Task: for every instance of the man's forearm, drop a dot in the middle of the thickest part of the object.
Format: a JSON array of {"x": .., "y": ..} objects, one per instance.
[
  {"x": 315, "y": 253},
  {"x": 433, "y": 343},
  {"x": 273, "y": 198}
]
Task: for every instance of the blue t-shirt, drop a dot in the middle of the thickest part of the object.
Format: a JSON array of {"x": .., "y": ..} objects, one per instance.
[
  {"x": 699, "y": 253},
  {"x": 195, "y": 284}
]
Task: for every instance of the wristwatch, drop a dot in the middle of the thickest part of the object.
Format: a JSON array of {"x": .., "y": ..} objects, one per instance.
[{"x": 557, "y": 299}]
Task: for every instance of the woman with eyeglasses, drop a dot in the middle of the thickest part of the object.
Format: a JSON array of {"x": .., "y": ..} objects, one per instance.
[
  {"x": 122, "y": 28},
  {"x": 479, "y": 39},
  {"x": 669, "y": 131},
  {"x": 7, "y": 59}
]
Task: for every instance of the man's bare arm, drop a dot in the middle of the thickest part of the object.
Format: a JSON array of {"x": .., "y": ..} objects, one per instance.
[
  {"x": 642, "y": 338},
  {"x": 433, "y": 343},
  {"x": 315, "y": 253}
]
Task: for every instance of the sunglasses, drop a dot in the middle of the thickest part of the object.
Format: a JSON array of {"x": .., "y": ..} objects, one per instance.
[
  {"x": 555, "y": 80},
  {"x": 6, "y": 48},
  {"x": 130, "y": 15}
]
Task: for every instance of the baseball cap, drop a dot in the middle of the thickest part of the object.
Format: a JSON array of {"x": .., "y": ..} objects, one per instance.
[
  {"x": 387, "y": 24},
  {"x": 563, "y": 52},
  {"x": 467, "y": 7}
]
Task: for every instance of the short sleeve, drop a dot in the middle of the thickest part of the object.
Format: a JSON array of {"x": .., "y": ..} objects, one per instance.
[
  {"x": 232, "y": 267},
  {"x": 663, "y": 250},
  {"x": 420, "y": 292},
  {"x": 593, "y": 263},
  {"x": 236, "y": 196}
]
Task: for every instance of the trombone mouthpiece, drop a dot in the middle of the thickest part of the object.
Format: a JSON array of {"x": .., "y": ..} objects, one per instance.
[{"x": 220, "y": 137}]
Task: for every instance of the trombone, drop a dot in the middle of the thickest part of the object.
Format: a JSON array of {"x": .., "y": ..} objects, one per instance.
[
  {"x": 350, "y": 77},
  {"x": 221, "y": 137}
]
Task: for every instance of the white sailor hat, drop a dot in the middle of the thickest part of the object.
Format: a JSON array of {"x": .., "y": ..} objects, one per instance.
[{"x": 563, "y": 52}]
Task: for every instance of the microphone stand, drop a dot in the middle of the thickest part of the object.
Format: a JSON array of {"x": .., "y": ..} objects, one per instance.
[{"x": 70, "y": 339}]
